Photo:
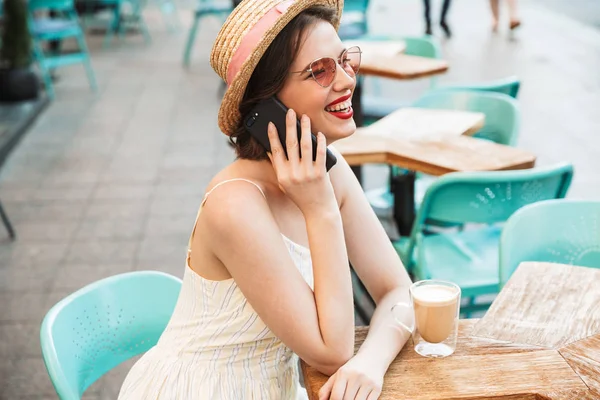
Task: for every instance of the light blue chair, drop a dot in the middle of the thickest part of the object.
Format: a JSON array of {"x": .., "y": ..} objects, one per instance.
[
  {"x": 502, "y": 123},
  {"x": 205, "y": 8},
  {"x": 64, "y": 26},
  {"x": 354, "y": 22},
  {"x": 560, "y": 231},
  {"x": 509, "y": 86},
  {"x": 374, "y": 106},
  {"x": 103, "y": 324},
  {"x": 470, "y": 257},
  {"x": 502, "y": 115},
  {"x": 121, "y": 21}
]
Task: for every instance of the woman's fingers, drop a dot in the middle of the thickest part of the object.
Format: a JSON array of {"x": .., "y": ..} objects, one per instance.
[
  {"x": 321, "y": 151},
  {"x": 364, "y": 393},
  {"x": 291, "y": 137},
  {"x": 306, "y": 143},
  {"x": 374, "y": 395},
  {"x": 339, "y": 388},
  {"x": 325, "y": 390},
  {"x": 277, "y": 155}
]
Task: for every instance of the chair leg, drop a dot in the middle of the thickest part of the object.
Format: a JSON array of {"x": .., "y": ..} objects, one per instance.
[
  {"x": 7, "y": 224},
  {"x": 113, "y": 27},
  {"x": 170, "y": 15},
  {"x": 190, "y": 41},
  {"x": 87, "y": 63},
  {"x": 38, "y": 54}
]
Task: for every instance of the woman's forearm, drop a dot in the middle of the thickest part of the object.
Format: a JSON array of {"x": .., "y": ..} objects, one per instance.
[
  {"x": 332, "y": 281},
  {"x": 386, "y": 336}
]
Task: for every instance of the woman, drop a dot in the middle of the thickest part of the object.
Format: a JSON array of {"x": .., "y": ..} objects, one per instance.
[
  {"x": 515, "y": 22},
  {"x": 267, "y": 277}
]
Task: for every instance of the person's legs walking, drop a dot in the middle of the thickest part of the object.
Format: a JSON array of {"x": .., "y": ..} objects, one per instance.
[
  {"x": 427, "y": 5},
  {"x": 512, "y": 13},
  {"x": 494, "y": 5},
  {"x": 443, "y": 23}
]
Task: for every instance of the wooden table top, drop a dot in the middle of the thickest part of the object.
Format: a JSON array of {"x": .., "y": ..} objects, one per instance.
[
  {"x": 539, "y": 340},
  {"x": 414, "y": 123},
  {"x": 431, "y": 141},
  {"x": 402, "y": 66},
  {"x": 374, "y": 48}
]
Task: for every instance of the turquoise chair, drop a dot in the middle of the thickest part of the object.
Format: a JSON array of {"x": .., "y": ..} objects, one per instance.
[
  {"x": 354, "y": 22},
  {"x": 205, "y": 8},
  {"x": 374, "y": 106},
  {"x": 65, "y": 25},
  {"x": 103, "y": 324},
  {"x": 502, "y": 123},
  {"x": 470, "y": 257},
  {"x": 560, "y": 231},
  {"x": 121, "y": 21},
  {"x": 502, "y": 115},
  {"x": 509, "y": 86}
]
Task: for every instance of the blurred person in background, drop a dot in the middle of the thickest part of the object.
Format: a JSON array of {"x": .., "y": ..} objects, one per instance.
[
  {"x": 512, "y": 13},
  {"x": 443, "y": 23}
]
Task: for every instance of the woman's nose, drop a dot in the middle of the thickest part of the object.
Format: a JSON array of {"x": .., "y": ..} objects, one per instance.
[{"x": 343, "y": 79}]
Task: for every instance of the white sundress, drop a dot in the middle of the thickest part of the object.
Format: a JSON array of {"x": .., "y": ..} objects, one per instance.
[{"x": 216, "y": 346}]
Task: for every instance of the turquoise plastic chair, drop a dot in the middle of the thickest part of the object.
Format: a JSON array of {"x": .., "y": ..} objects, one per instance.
[
  {"x": 502, "y": 123},
  {"x": 502, "y": 115},
  {"x": 205, "y": 8},
  {"x": 470, "y": 257},
  {"x": 121, "y": 21},
  {"x": 509, "y": 86},
  {"x": 354, "y": 22},
  {"x": 65, "y": 25},
  {"x": 560, "y": 231},
  {"x": 103, "y": 324},
  {"x": 374, "y": 106}
]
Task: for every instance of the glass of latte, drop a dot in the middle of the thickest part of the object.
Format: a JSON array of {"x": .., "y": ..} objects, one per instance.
[{"x": 436, "y": 307}]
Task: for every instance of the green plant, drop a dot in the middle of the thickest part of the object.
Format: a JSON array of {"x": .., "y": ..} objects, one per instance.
[{"x": 16, "y": 41}]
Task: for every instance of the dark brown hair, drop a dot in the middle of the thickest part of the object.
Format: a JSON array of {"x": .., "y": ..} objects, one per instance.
[{"x": 271, "y": 72}]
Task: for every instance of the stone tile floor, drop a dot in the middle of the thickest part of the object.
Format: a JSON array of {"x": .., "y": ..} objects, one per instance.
[{"x": 110, "y": 182}]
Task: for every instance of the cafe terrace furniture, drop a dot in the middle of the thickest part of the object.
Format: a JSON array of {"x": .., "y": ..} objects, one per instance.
[
  {"x": 562, "y": 231},
  {"x": 103, "y": 324},
  {"x": 205, "y": 8},
  {"x": 64, "y": 25},
  {"x": 469, "y": 257},
  {"x": 540, "y": 340}
]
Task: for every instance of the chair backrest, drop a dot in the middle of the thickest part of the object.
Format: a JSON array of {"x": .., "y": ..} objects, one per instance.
[
  {"x": 424, "y": 46},
  {"x": 57, "y": 5},
  {"x": 103, "y": 324},
  {"x": 502, "y": 115},
  {"x": 509, "y": 86},
  {"x": 488, "y": 197},
  {"x": 561, "y": 231},
  {"x": 356, "y": 6}
]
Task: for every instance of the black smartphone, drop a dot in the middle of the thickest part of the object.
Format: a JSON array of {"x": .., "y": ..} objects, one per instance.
[{"x": 273, "y": 110}]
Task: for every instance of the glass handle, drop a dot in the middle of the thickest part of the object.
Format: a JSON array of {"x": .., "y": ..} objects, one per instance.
[{"x": 410, "y": 328}]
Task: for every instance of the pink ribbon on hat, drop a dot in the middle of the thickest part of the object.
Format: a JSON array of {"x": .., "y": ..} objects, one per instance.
[{"x": 252, "y": 38}]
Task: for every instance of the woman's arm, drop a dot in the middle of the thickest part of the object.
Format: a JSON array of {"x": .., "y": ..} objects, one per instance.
[
  {"x": 378, "y": 266},
  {"x": 319, "y": 325}
]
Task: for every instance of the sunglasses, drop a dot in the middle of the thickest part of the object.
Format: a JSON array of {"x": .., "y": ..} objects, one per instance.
[{"x": 323, "y": 69}]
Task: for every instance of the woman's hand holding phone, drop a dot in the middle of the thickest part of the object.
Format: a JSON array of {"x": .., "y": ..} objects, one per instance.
[{"x": 305, "y": 181}]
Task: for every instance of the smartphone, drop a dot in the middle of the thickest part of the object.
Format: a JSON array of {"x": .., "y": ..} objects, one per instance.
[{"x": 273, "y": 110}]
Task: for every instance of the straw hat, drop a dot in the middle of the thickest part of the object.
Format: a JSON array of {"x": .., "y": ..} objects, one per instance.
[{"x": 242, "y": 41}]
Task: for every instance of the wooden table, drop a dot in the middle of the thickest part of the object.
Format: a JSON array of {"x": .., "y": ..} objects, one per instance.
[
  {"x": 431, "y": 141},
  {"x": 402, "y": 66},
  {"x": 371, "y": 49},
  {"x": 539, "y": 340}
]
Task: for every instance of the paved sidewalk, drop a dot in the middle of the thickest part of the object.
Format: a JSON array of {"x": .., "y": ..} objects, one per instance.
[{"x": 109, "y": 183}]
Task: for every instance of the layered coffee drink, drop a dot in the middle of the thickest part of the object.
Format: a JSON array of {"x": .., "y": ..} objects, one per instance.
[{"x": 435, "y": 311}]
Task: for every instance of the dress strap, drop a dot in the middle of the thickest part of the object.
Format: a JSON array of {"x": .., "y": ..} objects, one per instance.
[{"x": 204, "y": 201}]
